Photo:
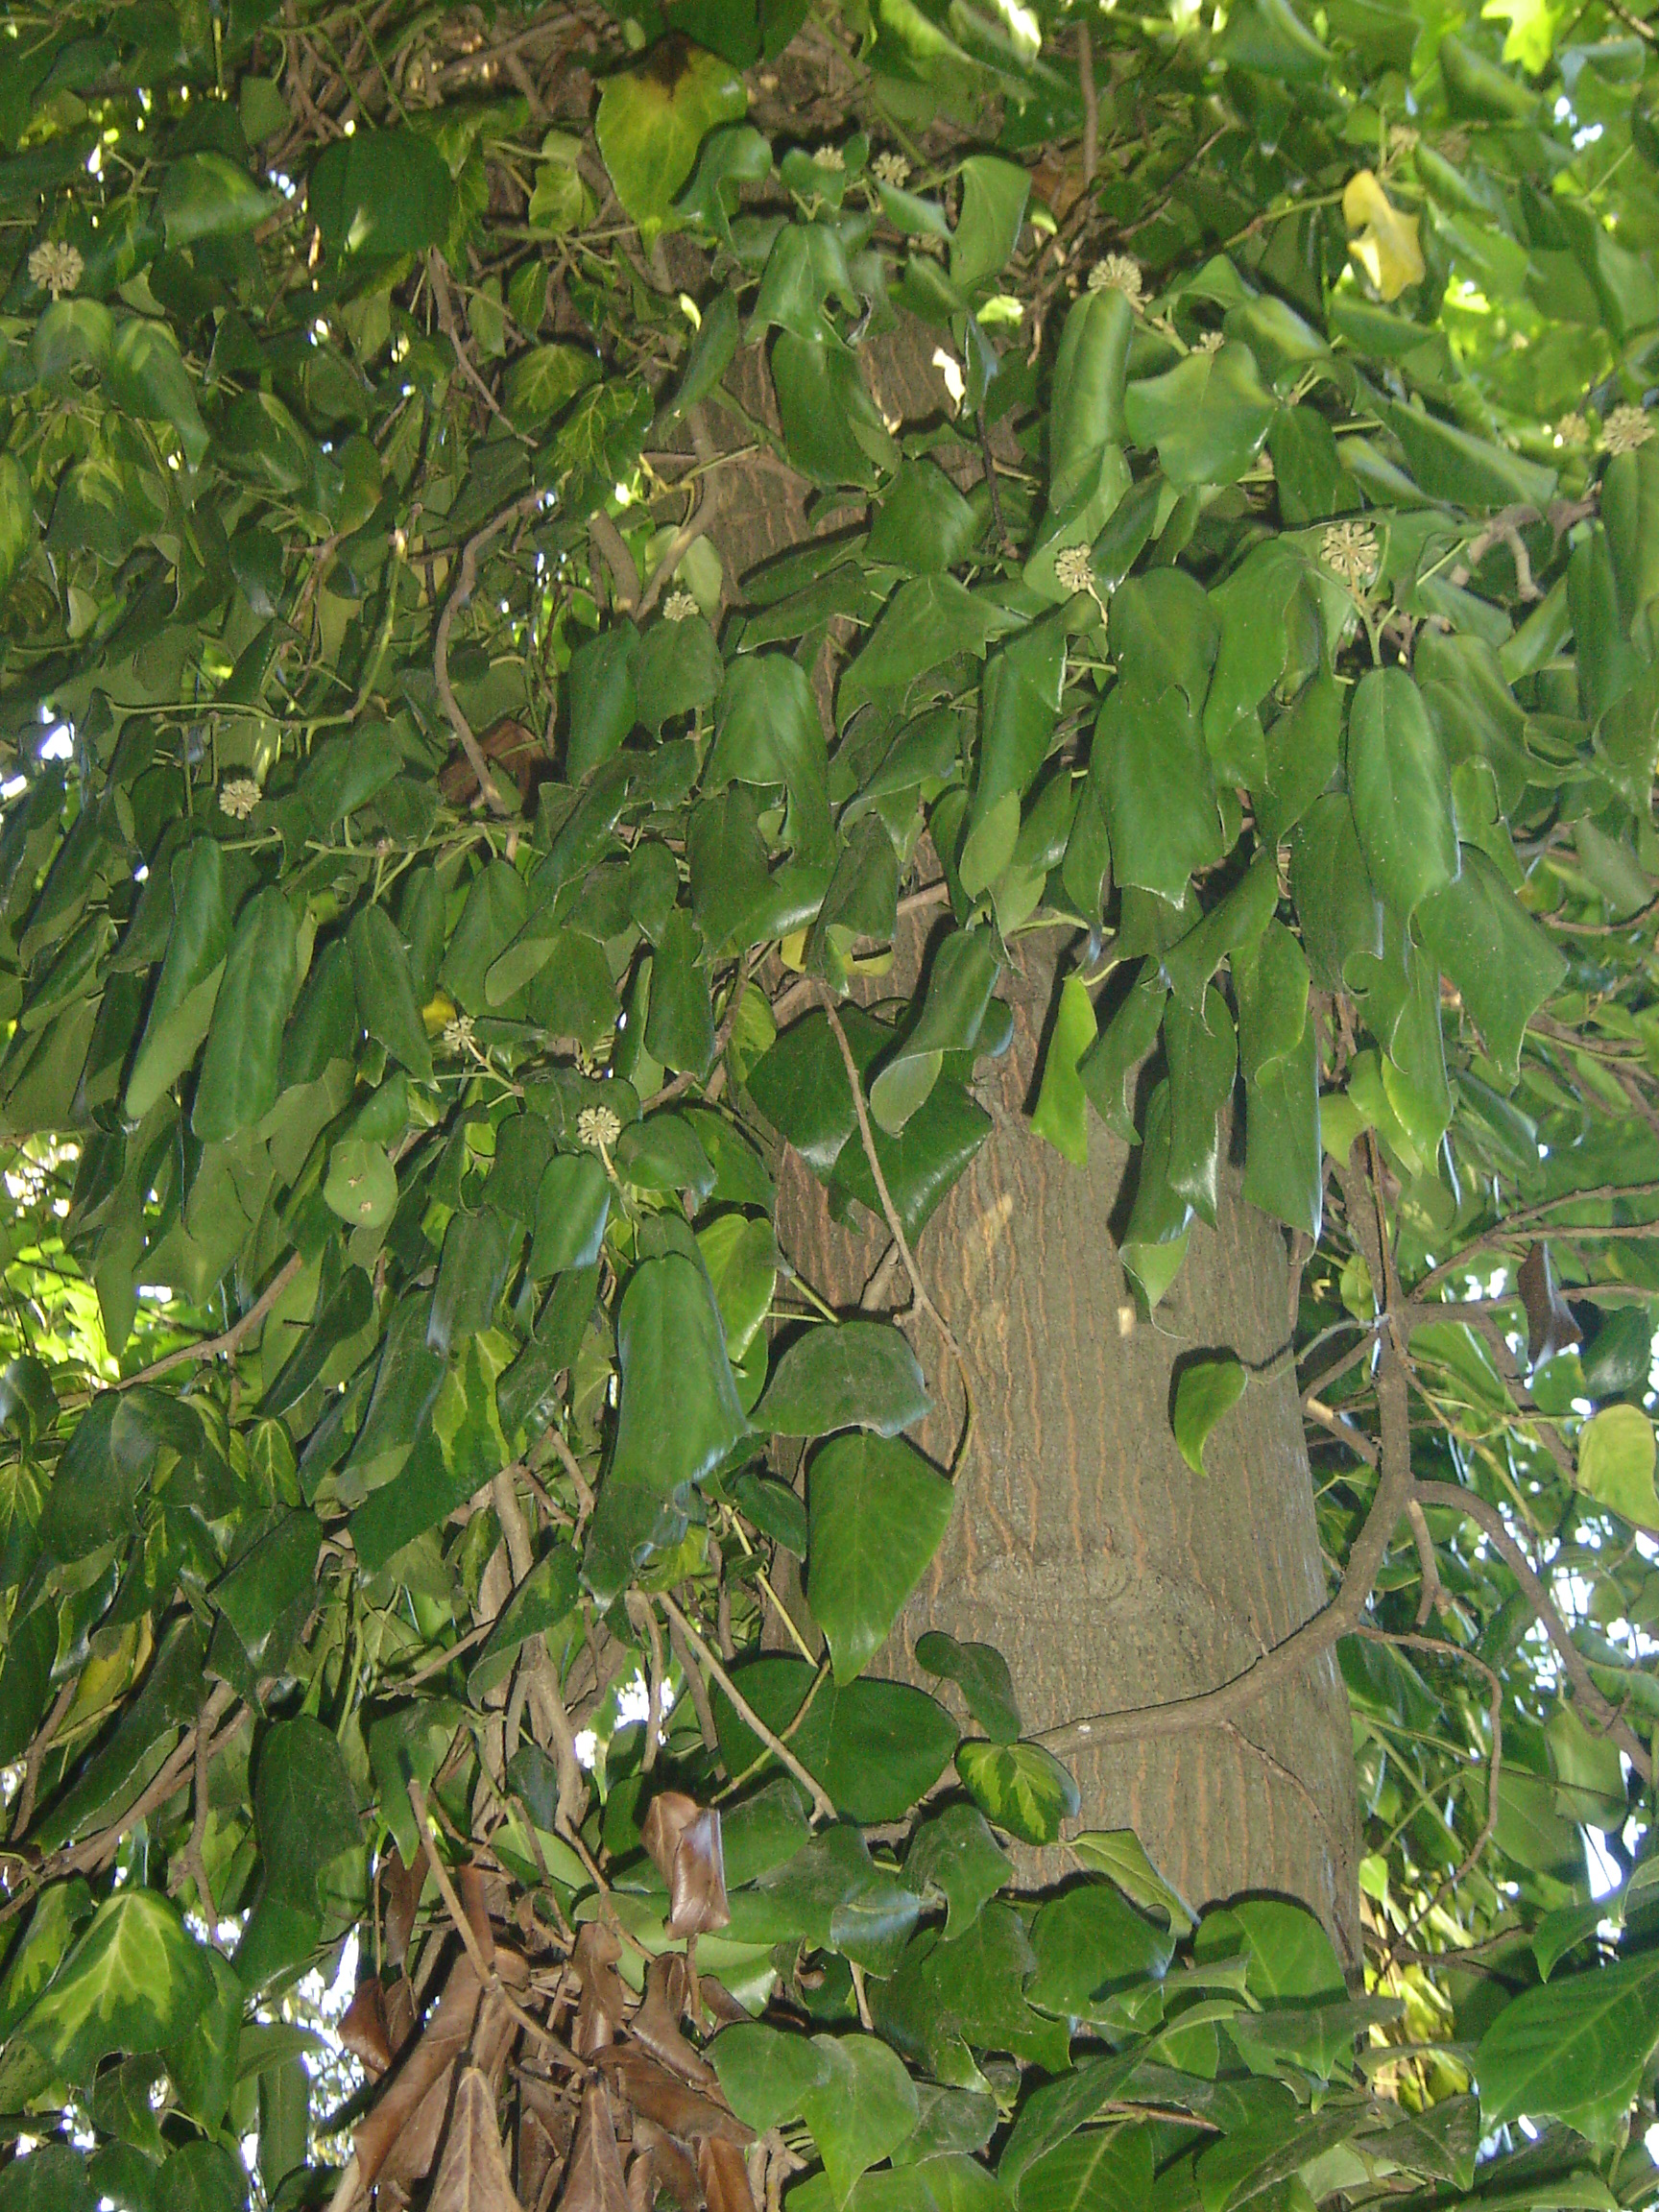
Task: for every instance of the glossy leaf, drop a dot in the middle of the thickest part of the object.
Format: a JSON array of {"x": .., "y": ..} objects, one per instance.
[
  {"x": 861, "y": 1374},
  {"x": 877, "y": 1514}
]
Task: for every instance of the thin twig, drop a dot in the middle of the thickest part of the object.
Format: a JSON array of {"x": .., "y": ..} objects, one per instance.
[
  {"x": 823, "y": 1806},
  {"x": 896, "y": 1228},
  {"x": 1494, "y": 1768},
  {"x": 466, "y": 575},
  {"x": 229, "y": 1339},
  {"x": 1596, "y": 1707},
  {"x": 485, "y": 1968},
  {"x": 37, "y": 1750},
  {"x": 1091, "y": 104}
]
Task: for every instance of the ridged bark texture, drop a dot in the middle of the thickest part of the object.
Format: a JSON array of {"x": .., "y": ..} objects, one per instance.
[{"x": 1083, "y": 1548}]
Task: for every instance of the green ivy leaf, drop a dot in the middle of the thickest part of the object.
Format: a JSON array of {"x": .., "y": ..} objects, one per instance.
[
  {"x": 981, "y": 1674},
  {"x": 861, "y": 1374},
  {"x": 1401, "y": 790},
  {"x": 132, "y": 1982},
  {"x": 877, "y": 1514},
  {"x": 861, "y": 2111},
  {"x": 1021, "y": 1787},
  {"x": 1574, "y": 2051},
  {"x": 1205, "y": 1391},
  {"x": 654, "y": 116},
  {"x": 1616, "y": 1459}
]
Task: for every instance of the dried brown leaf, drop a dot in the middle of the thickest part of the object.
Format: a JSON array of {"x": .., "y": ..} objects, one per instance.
[
  {"x": 604, "y": 2002},
  {"x": 675, "y": 2176},
  {"x": 594, "y": 2178},
  {"x": 365, "y": 2030},
  {"x": 400, "y": 2003},
  {"x": 661, "y": 2097},
  {"x": 657, "y": 2023},
  {"x": 403, "y": 1888},
  {"x": 1551, "y": 1326},
  {"x": 398, "y": 2138},
  {"x": 719, "y": 2003},
  {"x": 547, "y": 2123},
  {"x": 725, "y": 2176},
  {"x": 473, "y": 2173},
  {"x": 641, "y": 2184},
  {"x": 683, "y": 1841}
]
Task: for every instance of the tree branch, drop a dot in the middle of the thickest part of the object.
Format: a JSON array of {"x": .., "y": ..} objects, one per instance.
[
  {"x": 465, "y": 577},
  {"x": 1491, "y": 1522},
  {"x": 229, "y": 1339},
  {"x": 823, "y": 1806}
]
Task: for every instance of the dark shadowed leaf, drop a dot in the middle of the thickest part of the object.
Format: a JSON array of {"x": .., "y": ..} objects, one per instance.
[{"x": 862, "y": 1375}]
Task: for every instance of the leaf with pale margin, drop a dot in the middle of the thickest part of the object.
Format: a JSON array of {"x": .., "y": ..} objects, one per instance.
[{"x": 132, "y": 1982}]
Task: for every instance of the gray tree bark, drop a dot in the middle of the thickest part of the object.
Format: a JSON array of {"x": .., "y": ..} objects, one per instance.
[{"x": 1108, "y": 1575}]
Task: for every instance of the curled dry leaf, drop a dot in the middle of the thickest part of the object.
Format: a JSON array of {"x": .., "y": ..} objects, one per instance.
[
  {"x": 719, "y": 2003},
  {"x": 1551, "y": 1326},
  {"x": 509, "y": 745},
  {"x": 400, "y": 2003},
  {"x": 604, "y": 2000},
  {"x": 673, "y": 2173},
  {"x": 594, "y": 2178},
  {"x": 546, "y": 2126},
  {"x": 403, "y": 1888},
  {"x": 724, "y": 2173},
  {"x": 660, "y": 2096},
  {"x": 473, "y": 2173},
  {"x": 656, "y": 2023},
  {"x": 683, "y": 1841},
  {"x": 365, "y": 2030},
  {"x": 398, "y": 2138}
]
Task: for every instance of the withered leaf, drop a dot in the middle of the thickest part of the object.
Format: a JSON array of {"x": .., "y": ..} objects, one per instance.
[
  {"x": 719, "y": 2003},
  {"x": 657, "y": 2023},
  {"x": 604, "y": 1999},
  {"x": 652, "y": 2090},
  {"x": 725, "y": 2176},
  {"x": 400, "y": 2003},
  {"x": 473, "y": 2173},
  {"x": 671, "y": 2168},
  {"x": 1551, "y": 1326},
  {"x": 683, "y": 1841},
  {"x": 641, "y": 2184},
  {"x": 594, "y": 2178},
  {"x": 546, "y": 2126},
  {"x": 398, "y": 2138},
  {"x": 365, "y": 2030},
  {"x": 403, "y": 1888}
]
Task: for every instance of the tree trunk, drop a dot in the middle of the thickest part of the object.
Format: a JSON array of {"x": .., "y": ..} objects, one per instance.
[
  {"x": 1083, "y": 1548},
  {"x": 1107, "y": 1573}
]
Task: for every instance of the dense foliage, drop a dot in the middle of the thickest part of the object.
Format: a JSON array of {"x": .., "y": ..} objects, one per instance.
[{"x": 428, "y": 878}]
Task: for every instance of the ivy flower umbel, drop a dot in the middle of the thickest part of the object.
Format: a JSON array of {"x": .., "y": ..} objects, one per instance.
[
  {"x": 678, "y": 606},
  {"x": 829, "y": 157},
  {"x": 239, "y": 796},
  {"x": 1625, "y": 428},
  {"x": 1075, "y": 569},
  {"x": 598, "y": 1128},
  {"x": 1349, "y": 551},
  {"x": 891, "y": 169},
  {"x": 458, "y": 1033},
  {"x": 57, "y": 268},
  {"x": 1208, "y": 342},
  {"x": 1119, "y": 272},
  {"x": 1571, "y": 430}
]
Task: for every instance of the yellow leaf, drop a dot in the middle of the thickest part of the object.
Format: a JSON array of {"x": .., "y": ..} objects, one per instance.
[{"x": 1386, "y": 248}]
